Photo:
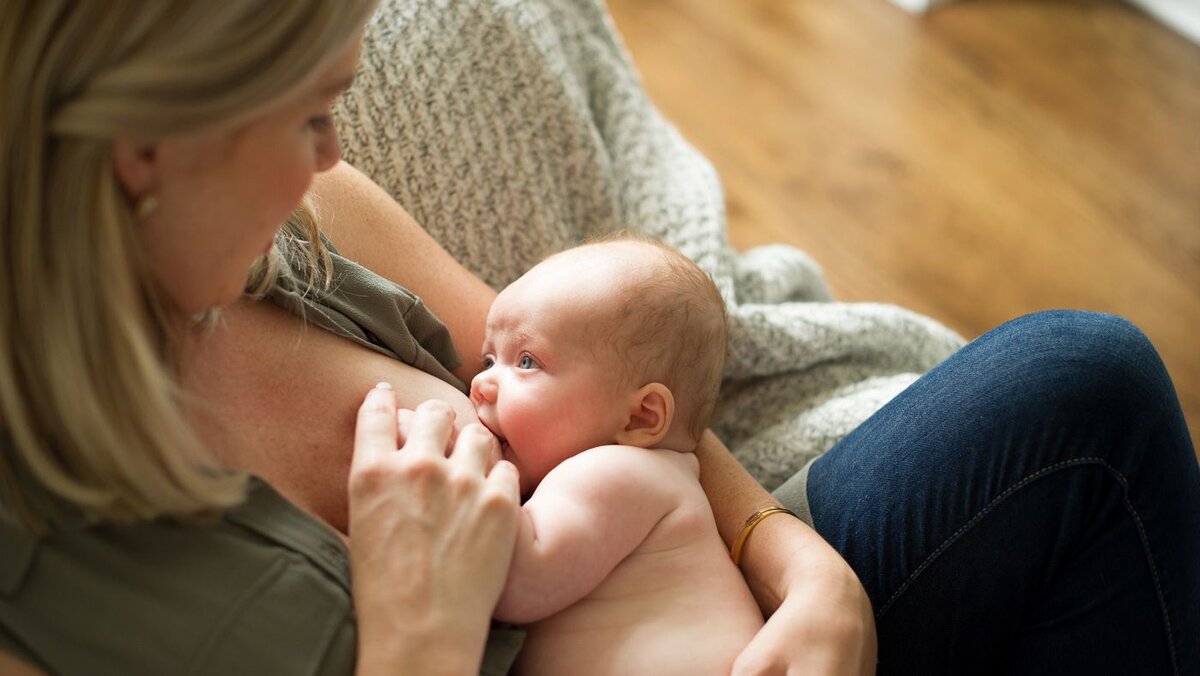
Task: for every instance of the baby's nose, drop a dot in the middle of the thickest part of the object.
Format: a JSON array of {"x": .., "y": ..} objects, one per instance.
[{"x": 483, "y": 389}]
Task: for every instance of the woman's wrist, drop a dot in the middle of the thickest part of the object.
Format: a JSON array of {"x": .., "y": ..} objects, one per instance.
[
  {"x": 426, "y": 661},
  {"x": 418, "y": 648},
  {"x": 752, "y": 522},
  {"x": 819, "y": 614},
  {"x": 776, "y": 547},
  {"x": 779, "y": 548}
]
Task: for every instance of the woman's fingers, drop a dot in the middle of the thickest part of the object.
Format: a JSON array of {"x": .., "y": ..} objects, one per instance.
[
  {"x": 475, "y": 450},
  {"x": 506, "y": 480},
  {"x": 430, "y": 429},
  {"x": 422, "y": 520},
  {"x": 375, "y": 433},
  {"x": 404, "y": 418}
]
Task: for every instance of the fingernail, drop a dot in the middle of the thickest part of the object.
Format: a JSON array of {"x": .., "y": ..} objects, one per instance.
[{"x": 383, "y": 385}]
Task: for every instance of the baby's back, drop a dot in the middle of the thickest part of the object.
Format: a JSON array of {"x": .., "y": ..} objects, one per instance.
[{"x": 675, "y": 605}]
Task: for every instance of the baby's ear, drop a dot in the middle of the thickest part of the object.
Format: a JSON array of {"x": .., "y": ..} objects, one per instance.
[{"x": 648, "y": 416}]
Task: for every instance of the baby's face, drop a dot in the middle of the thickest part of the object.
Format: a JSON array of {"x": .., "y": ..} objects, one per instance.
[{"x": 545, "y": 392}]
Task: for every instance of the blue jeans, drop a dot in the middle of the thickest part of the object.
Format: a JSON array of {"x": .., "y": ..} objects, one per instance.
[{"x": 1031, "y": 505}]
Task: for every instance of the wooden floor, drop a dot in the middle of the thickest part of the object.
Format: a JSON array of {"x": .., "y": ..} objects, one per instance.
[{"x": 993, "y": 158}]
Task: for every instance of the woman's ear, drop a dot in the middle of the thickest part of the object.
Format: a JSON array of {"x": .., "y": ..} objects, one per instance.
[
  {"x": 136, "y": 164},
  {"x": 649, "y": 416}
]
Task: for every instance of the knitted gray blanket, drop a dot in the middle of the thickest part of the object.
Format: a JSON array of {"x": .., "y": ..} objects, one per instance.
[{"x": 512, "y": 129}]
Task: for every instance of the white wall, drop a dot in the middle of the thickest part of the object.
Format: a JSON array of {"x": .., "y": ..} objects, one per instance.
[
  {"x": 918, "y": 6},
  {"x": 1181, "y": 15}
]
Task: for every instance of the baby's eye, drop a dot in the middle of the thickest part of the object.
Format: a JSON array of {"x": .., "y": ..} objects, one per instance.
[
  {"x": 488, "y": 363},
  {"x": 526, "y": 362}
]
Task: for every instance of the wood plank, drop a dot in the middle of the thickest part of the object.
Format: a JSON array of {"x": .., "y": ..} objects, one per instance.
[{"x": 984, "y": 161}]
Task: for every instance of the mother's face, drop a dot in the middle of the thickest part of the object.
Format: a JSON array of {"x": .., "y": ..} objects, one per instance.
[{"x": 221, "y": 196}]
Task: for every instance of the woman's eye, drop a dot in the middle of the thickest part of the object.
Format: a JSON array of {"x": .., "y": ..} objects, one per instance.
[
  {"x": 526, "y": 362},
  {"x": 320, "y": 122}
]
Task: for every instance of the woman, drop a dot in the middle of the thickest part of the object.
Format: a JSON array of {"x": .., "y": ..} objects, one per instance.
[
  {"x": 264, "y": 586},
  {"x": 150, "y": 154}
]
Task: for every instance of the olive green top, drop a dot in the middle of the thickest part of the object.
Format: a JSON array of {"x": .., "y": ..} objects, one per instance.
[{"x": 266, "y": 589}]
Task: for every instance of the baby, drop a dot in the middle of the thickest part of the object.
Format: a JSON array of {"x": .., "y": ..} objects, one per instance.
[{"x": 602, "y": 366}]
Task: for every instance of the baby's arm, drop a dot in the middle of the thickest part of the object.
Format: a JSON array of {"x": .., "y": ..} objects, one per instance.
[{"x": 587, "y": 515}]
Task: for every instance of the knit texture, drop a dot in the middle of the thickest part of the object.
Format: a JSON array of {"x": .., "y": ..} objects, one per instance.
[{"x": 512, "y": 129}]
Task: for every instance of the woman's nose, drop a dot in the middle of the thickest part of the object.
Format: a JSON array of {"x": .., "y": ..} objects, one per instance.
[
  {"x": 329, "y": 150},
  {"x": 483, "y": 389}
]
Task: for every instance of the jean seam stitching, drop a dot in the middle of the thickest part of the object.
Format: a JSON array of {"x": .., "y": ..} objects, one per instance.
[{"x": 1137, "y": 521}]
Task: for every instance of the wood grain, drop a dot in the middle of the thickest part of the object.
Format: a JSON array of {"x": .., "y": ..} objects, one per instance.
[{"x": 993, "y": 158}]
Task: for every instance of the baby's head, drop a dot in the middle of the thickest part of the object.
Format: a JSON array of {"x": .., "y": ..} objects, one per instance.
[
  {"x": 615, "y": 342},
  {"x": 665, "y": 324}
]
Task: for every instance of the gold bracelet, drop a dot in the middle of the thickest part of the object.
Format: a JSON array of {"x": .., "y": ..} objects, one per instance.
[{"x": 735, "y": 552}]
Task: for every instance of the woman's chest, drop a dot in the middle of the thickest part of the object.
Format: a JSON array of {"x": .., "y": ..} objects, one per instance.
[{"x": 278, "y": 398}]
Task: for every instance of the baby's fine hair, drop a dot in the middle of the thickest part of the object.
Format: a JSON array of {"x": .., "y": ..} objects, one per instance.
[{"x": 672, "y": 330}]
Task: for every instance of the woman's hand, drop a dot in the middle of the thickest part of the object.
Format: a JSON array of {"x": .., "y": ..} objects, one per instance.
[
  {"x": 432, "y": 527},
  {"x": 821, "y": 620},
  {"x": 824, "y": 625}
]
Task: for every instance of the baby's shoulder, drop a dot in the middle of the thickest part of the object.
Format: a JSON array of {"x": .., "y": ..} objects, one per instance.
[
  {"x": 620, "y": 458},
  {"x": 614, "y": 470}
]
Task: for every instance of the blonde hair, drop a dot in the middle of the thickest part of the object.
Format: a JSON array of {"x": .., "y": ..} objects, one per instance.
[
  {"x": 88, "y": 390},
  {"x": 670, "y": 328}
]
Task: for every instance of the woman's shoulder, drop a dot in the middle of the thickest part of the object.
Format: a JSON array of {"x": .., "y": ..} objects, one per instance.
[{"x": 158, "y": 597}]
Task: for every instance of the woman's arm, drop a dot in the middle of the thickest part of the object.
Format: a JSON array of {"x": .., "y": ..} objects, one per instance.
[
  {"x": 820, "y": 619},
  {"x": 370, "y": 227}
]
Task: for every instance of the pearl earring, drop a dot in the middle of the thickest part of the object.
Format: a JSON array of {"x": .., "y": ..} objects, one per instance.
[{"x": 145, "y": 206}]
